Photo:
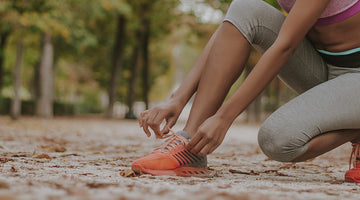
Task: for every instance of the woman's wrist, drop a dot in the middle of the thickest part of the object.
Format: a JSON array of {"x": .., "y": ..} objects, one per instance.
[
  {"x": 177, "y": 100},
  {"x": 225, "y": 114},
  {"x": 225, "y": 120}
]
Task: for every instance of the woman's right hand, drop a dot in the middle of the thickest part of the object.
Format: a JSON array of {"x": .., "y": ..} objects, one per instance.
[{"x": 168, "y": 111}]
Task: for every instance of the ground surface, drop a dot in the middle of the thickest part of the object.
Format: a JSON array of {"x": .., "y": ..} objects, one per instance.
[{"x": 71, "y": 158}]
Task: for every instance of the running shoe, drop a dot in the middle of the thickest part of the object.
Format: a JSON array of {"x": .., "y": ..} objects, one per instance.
[
  {"x": 172, "y": 159},
  {"x": 353, "y": 174}
]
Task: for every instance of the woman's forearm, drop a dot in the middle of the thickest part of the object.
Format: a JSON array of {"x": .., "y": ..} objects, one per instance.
[
  {"x": 264, "y": 71},
  {"x": 189, "y": 86}
]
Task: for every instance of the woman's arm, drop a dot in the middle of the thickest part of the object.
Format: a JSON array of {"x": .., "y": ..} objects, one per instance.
[
  {"x": 172, "y": 107},
  {"x": 299, "y": 21},
  {"x": 189, "y": 86}
]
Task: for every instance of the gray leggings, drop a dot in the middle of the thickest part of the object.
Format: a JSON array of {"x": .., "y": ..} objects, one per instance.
[{"x": 329, "y": 96}]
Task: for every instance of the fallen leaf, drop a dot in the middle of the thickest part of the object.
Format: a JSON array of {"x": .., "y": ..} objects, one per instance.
[
  {"x": 129, "y": 173},
  {"x": 337, "y": 182},
  {"x": 19, "y": 155},
  {"x": 43, "y": 156},
  {"x": 13, "y": 169},
  {"x": 71, "y": 154},
  {"x": 251, "y": 172},
  {"x": 99, "y": 185},
  {"x": 4, "y": 185},
  {"x": 4, "y": 160},
  {"x": 51, "y": 148},
  {"x": 7, "y": 197},
  {"x": 287, "y": 166},
  {"x": 60, "y": 149}
]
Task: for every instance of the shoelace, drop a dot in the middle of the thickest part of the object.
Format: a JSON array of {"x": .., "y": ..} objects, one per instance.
[
  {"x": 171, "y": 142},
  {"x": 355, "y": 154}
]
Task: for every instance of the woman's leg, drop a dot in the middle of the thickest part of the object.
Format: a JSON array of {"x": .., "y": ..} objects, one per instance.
[
  {"x": 326, "y": 142},
  {"x": 257, "y": 23},
  {"x": 315, "y": 122},
  {"x": 226, "y": 60}
]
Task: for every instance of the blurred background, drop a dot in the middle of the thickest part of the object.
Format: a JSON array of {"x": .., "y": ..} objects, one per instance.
[{"x": 113, "y": 58}]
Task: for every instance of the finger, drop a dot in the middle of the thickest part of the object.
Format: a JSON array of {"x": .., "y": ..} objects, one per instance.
[
  {"x": 156, "y": 130},
  {"x": 156, "y": 124},
  {"x": 144, "y": 125},
  {"x": 140, "y": 121},
  {"x": 199, "y": 146},
  {"x": 212, "y": 149},
  {"x": 205, "y": 150},
  {"x": 146, "y": 129},
  {"x": 142, "y": 117},
  {"x": 169, "y": 124},
  {"x": 165, "y": 130},
  {"x": 193, "y": 141}
]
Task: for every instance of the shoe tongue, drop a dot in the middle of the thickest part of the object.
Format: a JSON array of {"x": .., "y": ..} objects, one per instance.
[
  {"x": 181, "y": 133},
  {"x": 184, "y": 134}
]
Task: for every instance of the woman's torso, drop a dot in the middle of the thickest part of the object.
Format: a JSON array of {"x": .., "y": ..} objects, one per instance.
[
  {"x": 335, "y": 36},
  {"x": 341, "y": 36}
]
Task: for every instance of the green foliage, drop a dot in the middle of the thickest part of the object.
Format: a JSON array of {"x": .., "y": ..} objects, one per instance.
[
  {"x": 274, "y": 3},
  {"x": 222, "y": 5},
  {"x": 83, "y": 37}
]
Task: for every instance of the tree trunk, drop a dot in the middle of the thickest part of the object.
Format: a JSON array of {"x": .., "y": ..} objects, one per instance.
[
  {"x": 44, "y": 103},
  {"x": 132, "y": 81},
  {"x": 254, "y": 109},
  {"x": 116, "y": 64},
  {"x": 16, "y": 102},
  {"x": 277, "y": 92},
  {"x": 3, "y": 39},
  {"x": 35, "y": 89},
  {"x": 145, "y": 58}
]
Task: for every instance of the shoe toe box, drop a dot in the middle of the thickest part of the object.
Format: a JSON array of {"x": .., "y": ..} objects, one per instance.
[{"x": 155, "y": 161}]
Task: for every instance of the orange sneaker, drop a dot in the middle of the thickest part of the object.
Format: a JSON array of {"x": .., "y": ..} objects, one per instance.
[
  {"x": 353, "y": 174},
  {"x": 173, "y": 159}
]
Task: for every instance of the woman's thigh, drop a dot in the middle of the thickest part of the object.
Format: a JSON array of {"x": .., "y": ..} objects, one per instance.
[
  {"x": 260, "y": 24},
  {"x": 332, "y": 105}
]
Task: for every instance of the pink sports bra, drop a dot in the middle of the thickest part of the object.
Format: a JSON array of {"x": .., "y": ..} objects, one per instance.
[{"x": 336, "y": 11}]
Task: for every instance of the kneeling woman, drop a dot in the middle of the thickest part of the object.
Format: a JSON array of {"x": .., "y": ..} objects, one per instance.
[{"x": 315, "y": 50}]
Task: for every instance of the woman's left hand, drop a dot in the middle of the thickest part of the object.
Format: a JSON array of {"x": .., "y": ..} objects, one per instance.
[{"x": 209, "y": 136}]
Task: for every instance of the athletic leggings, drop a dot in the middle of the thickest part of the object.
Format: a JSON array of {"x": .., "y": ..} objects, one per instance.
[{"x": 329, "y": 96}]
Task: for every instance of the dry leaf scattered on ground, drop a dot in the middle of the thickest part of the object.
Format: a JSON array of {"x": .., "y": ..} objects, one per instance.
[{"x": 90, "y": 158}]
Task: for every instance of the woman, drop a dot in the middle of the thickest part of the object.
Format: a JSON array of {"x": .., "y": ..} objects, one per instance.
[{"x": 315, "y": 50}]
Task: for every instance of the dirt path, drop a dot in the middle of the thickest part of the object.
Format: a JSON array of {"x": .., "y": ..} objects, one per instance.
[{"x": 71, "y": 158}]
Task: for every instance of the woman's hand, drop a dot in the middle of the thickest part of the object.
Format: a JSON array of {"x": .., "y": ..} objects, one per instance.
[
  {"x": 209, "y": 136},
  {"x": 169, "y": 111}
]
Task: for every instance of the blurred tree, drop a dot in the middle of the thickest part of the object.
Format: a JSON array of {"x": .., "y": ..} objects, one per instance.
[
  {"x": 155, "y": 20},
  {"x": 133, "y": 77},
  {"x": 117, "y": 61},
  {"x": 145, "y": 59},
  {"x": 4, "y": 35},
  {"x": 8, "y": 19},
  {"x": 44, "y": 102},
  {"x": 37, "y": 16},
  {"x": 94, "y": 43},
  {"x": 16, "y": 102},
  {"x": 105, "y": 20}
]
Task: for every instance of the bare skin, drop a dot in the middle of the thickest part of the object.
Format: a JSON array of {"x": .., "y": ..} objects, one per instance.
[
  {"x": 209, "y": 120},
  {"x": 337, "y": 37}
]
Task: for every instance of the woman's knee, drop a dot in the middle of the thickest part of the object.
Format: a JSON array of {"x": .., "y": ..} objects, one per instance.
[
  {"x": 243, "y": 15},
  {"x": 251, "y": 18},
  {"x": 278, "y": 143}
]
